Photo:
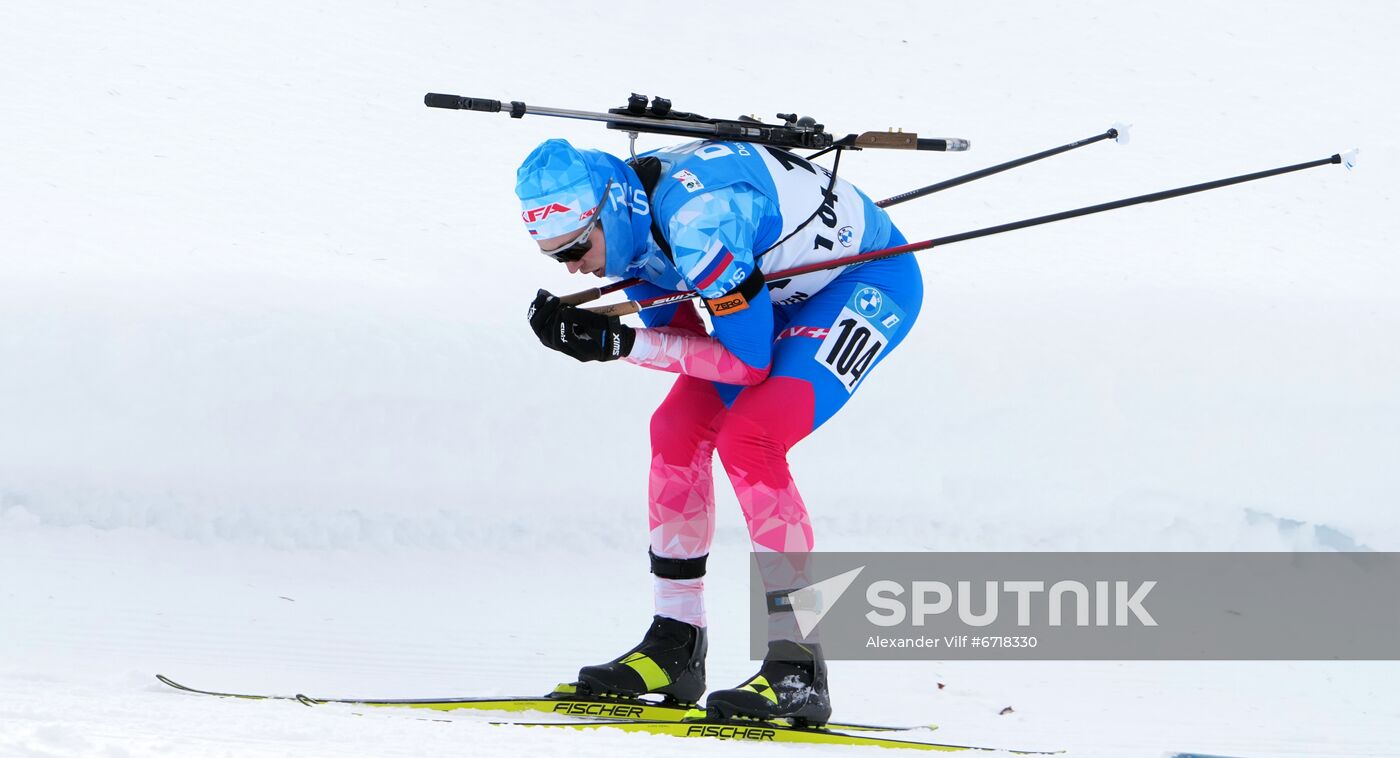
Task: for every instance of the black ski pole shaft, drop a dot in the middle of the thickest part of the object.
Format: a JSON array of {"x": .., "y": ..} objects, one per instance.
[
  {"x": 1138, "y": 200},
  {"x": 905, "y": 197},
  {"x": 589, "y": 295},
  {"x": 622, "y": 309}
]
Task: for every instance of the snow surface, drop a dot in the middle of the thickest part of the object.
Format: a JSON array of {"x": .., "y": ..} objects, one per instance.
[{"x": 271, "y": 420}]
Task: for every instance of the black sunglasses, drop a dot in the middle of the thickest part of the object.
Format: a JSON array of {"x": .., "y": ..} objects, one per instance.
[{"x": 579, "y": 246}]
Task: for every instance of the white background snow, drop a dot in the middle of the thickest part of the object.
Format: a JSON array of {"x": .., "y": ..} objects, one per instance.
[{"x": 271, "y": 418}]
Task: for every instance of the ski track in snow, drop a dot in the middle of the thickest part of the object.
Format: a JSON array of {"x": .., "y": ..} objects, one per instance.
[{"x": 270, "y": 420}]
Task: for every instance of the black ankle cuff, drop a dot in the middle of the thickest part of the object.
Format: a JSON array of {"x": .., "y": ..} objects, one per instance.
[{"x": 677, "y": 568}]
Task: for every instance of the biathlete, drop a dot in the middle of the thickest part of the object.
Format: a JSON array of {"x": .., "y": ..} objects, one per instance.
[{"x": 781, "y": 357}]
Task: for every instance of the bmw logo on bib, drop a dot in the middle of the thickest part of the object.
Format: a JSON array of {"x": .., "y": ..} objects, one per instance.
[{"x": 868, "y": 301}]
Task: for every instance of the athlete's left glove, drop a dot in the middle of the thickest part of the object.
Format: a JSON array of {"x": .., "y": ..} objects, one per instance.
[{"x": 584, "y": 335}]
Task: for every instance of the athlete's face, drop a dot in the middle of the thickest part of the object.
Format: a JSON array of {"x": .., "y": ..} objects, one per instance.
[{"x": 592, "y": 261}]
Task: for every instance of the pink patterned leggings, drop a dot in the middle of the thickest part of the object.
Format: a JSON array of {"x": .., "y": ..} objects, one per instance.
[
  {"x": 752, "y": 438},
  {"x": 807, "y": 383}
]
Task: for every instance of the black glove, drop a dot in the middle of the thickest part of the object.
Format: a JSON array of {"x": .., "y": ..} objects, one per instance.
[{"x": 584, "y": 335}]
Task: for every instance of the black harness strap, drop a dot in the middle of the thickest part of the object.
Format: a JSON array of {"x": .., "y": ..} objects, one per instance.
[{"x": 649, "y": 171}]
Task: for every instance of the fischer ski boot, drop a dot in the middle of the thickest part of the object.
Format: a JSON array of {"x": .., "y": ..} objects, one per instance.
[
  {"x": 670, "y": 661},
  {"x": 791, "y": 684}
]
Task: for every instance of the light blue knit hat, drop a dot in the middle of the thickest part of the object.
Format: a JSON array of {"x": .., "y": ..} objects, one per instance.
[
  {"x": 555, "y": 189},
  {"x": 558, "y": 185}
]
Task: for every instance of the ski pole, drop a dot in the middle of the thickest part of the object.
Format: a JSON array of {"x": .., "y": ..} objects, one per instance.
[
  {"x": 1349, "y": 158},
  {"x": 1118, "y": 133}
]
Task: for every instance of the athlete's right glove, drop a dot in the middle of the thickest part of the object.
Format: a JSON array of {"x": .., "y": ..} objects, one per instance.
[{"x": 583, "y": 335}]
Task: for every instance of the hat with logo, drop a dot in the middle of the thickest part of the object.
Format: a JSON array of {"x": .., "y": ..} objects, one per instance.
[
  {"x": 556, "y": 190},
  {"x": 559, "y": 185}
]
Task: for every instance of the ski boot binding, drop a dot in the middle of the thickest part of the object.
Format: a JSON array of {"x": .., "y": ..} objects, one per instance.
[
  {"x": 790, "y": 685},
  {"x": 669, "y": 661}
]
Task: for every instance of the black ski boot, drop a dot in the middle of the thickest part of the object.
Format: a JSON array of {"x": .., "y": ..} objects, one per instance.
[
  {"x": 670, "y": 661},
  {"x": 791, "y": 685}
]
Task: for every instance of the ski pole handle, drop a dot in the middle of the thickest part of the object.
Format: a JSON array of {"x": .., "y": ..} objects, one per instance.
[
  {"x": 579, "y": 298},
  {"x": 589, "y": 295},
  {"x": 625, "y": 308}
]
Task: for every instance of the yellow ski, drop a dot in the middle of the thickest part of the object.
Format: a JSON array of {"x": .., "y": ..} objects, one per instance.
[
  {"x": 564, "y": 701},
  {"x": 760, "y": 731}
]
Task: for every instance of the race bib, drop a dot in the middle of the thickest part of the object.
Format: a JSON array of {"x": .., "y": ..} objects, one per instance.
[{"x": 862, "y": 331}]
